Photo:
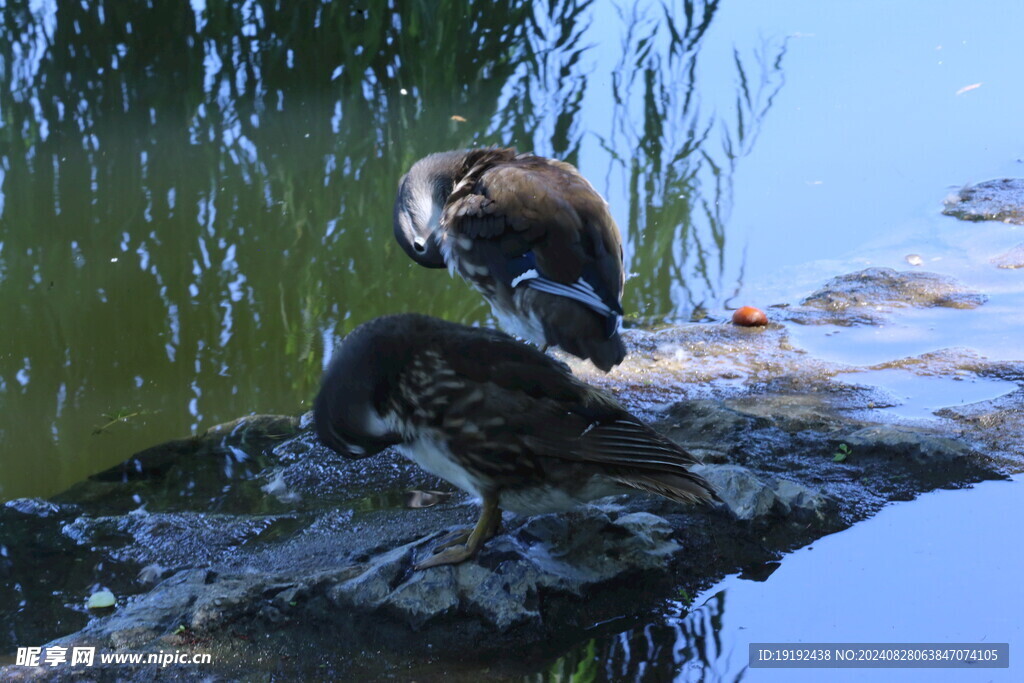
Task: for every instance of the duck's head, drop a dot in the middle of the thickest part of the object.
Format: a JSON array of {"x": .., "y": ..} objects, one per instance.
[
  {"x": 422, "y": 193},
  {"x": 349, "y": 411}
]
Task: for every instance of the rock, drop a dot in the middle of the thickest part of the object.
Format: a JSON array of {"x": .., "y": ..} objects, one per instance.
[
  {"x": 43, "y": 574},
  {"x": 253, "y": 427},
  {"x": 993, "y": 200},
  {"x": 747, "y": 496},
  {"x": 230, "y": 440},
  {"x": 903, "y": 444},
  {"x": 750, "y": 497},
  {"x": 863, "y": 297},
  {"x": 796, "y": 500},
  {"x": 548, "y": 555},
  {"x": 707, "y": 428},
  {"x": 176, "y": 539},
  {"x": 542, "y": 561},
  {"x": 990, "y": 422},
  {"x": 1014, "y": 258}
]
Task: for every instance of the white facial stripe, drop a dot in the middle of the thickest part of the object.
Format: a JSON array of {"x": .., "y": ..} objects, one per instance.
[{"x": 426, "y": 211}]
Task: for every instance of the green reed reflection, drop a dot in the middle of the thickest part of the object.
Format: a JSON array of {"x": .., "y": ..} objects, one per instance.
[
  {"x": 679, "y": 160},
  {"x": 687, "y": 647},
  {"x": 195, "y": 201}
]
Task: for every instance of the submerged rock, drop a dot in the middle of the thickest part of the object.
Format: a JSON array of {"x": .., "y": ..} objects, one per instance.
[
  {"x": 865, "y": 297},
  {"x": 1011, "y": 259},
  {"x": 993, "y": 200}
]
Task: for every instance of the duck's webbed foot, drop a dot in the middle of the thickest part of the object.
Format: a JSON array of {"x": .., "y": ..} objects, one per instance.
[{"x": 465, "y": 543}]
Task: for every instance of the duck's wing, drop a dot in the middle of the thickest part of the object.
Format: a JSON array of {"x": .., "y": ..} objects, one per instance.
[
  {"x": 520, "y": 401},
  {"x": 623, "y": 448},
  {"x": 535, "y": 221}
]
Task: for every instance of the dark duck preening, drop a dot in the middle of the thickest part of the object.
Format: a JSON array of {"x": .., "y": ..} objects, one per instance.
[
  {"x": 493, "y": 416},
  {"x": 531, "y": 235}
]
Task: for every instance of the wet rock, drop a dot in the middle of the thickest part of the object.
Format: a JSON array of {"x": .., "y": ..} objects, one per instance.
[
  {"x": 750, "y": 497},
  {"x": 515, "y": 572},
  {"x": 161, "y": 611},
  {"x": 995, "y": 423},
  {"x": 795, "y": 403},
  {"x": 993, "y": 200},
  {"x": 700, "y": 361},
  {"x": 174, "y": 539},
  {"x": 799, "y": 502},
  {"x": 231, "y": 439},
  {"x": 958, "y": 363},
  {"x": 904, "y": 444},
  {"x": 1010, "y": 260},
  {"x": 41, "y": 571},
  {"x": 330, "y": 479},
  {"x": 708, "y": 429},
  {"x": 864, "y": 297},
  {"x": 252, "y": 428},
  {"x": 535, "y": 563}
]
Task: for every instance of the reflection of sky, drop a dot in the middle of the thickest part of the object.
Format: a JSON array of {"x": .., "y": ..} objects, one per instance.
[
  {"x": 866, "y": 138},
  {"x": 869, "y": 135},
  {"x": 896, "y": 578}
]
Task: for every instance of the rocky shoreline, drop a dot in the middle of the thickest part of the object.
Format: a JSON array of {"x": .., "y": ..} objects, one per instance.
[{"x": 253, "y": 541}]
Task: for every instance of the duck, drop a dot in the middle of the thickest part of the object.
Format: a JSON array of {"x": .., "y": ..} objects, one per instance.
[
  {"x": 531, "y": 234},
  {"x": 495, "y": 417}
]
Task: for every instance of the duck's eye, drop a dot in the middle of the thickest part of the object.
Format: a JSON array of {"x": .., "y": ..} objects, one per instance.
[{"x": 419, "y": 246}]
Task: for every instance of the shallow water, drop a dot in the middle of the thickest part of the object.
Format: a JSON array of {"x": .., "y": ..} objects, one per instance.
[
  {"x": 924, "y": 572},
  {"x": 917, "y": 397}
]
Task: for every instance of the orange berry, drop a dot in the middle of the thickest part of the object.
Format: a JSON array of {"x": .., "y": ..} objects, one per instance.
[{"x": 748, "y": 316}]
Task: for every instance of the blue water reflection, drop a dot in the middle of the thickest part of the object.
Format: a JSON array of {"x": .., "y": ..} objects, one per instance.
[{"x": 895, "y": 578}]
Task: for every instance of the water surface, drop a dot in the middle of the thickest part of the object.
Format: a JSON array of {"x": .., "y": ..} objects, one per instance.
[{"x": 920, "y": 573}]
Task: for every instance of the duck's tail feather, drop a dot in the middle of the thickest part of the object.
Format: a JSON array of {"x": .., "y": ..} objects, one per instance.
[{"x": 683, "y": 487}]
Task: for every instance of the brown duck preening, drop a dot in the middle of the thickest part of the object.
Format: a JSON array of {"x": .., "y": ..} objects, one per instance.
[
  {"x": 531, "y": 235},
  {"x": 493, "y": 416}
]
